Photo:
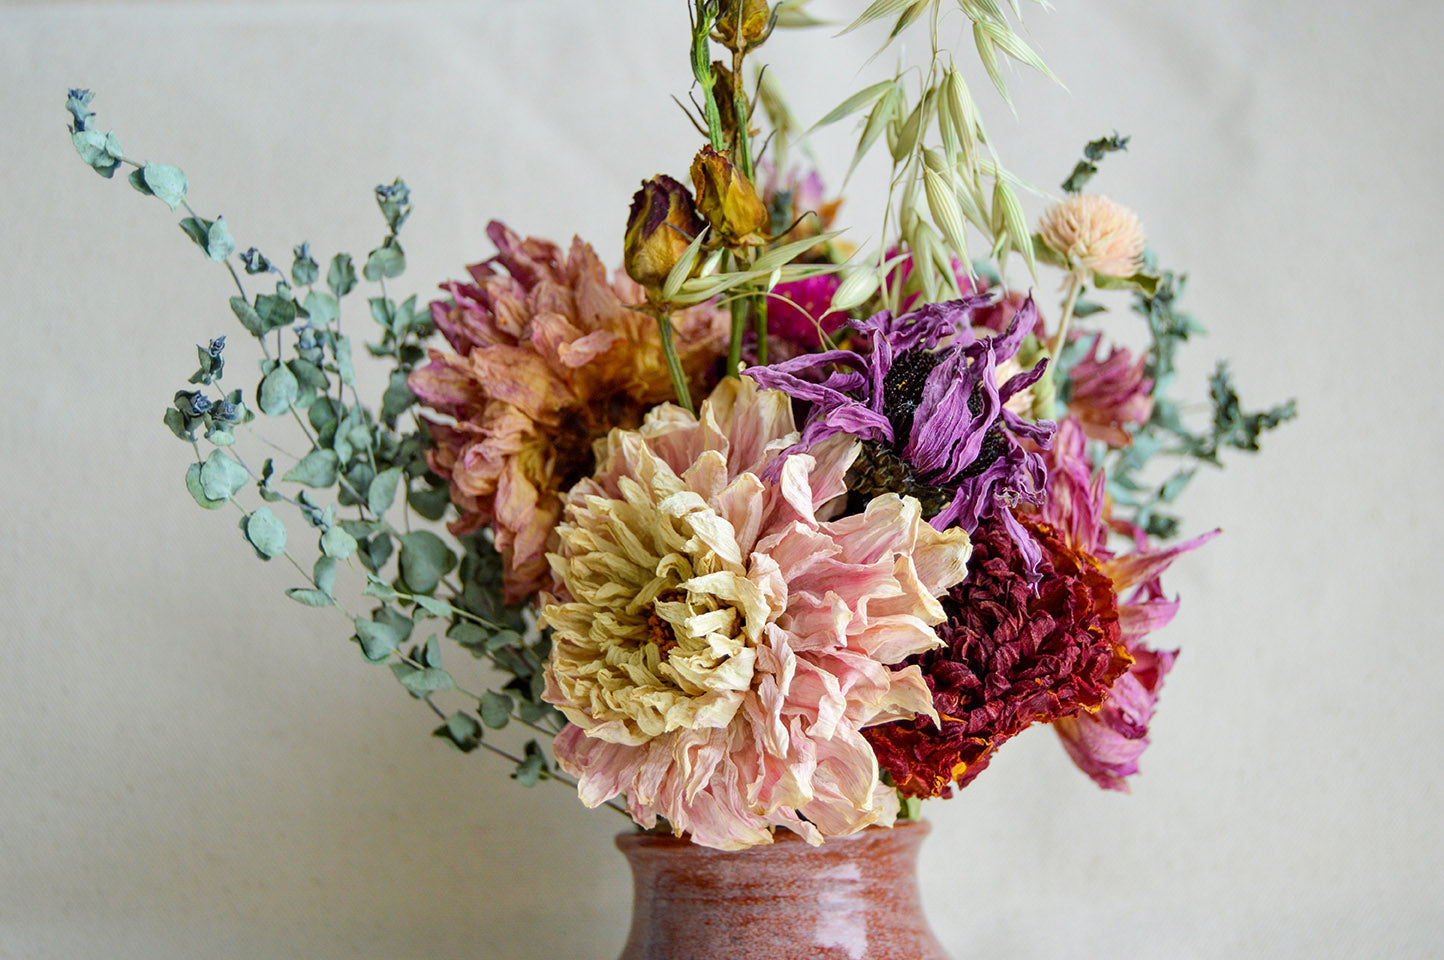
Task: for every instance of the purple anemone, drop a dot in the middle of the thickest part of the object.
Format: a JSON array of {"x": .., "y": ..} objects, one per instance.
[{"x": 924, "y": 398}]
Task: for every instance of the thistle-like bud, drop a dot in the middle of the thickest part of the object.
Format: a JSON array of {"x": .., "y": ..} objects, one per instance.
[
  {"x": 662, "y": 222},
  {"x": 726, "y": 198},
  {"x": 742, "y": 24}
]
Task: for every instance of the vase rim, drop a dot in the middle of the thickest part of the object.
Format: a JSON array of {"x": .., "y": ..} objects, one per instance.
[{"x": 905, "y": 830}]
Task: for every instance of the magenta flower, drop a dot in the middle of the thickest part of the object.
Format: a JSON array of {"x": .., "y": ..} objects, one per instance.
[
  {"x": 1106, "y": 744},
  {"x": 1110, "y": 394},
  {"x": 796, "y": 310},
  {"x": 926, "y": 401}
]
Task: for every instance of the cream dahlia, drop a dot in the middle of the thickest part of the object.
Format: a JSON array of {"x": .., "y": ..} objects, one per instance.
[{"x": 720, "y": 643}]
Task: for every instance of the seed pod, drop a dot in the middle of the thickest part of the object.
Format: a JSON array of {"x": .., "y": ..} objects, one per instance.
[{"x": 741, "y": 24}]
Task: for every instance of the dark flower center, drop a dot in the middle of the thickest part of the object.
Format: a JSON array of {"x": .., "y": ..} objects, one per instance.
[
  {"x": 902, "y": 392},
  {"x": 879, "y": 469},
  {"x": 995, "y": 444},
  {"x": 902, "y": 389}
]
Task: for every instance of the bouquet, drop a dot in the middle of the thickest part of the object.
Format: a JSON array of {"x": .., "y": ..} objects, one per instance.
[{"x": 761, "y": 530}]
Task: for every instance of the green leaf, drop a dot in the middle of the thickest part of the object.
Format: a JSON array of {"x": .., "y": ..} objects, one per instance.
[
  {"x": 176, "y": 421},
  {"x": 422, "y": 682},
  {"x": 219, "y": 243},
  {"x": 377, "y": 551},
  {"x": 166, "y": 182},
  {"x": 247, "y": 315},
  {"x": 100, "y": 150},
  {"x": 344, "y": 368},
  {"x": 462, "y": 730},
  {"x": 304, "y": 268},
  {"x": 383, "y": 311},
  {"x": 221, "y": 476},
  {"x": 381, "y": 590},
  {"x": 137, "y": 180},
  {"x": 266, "y": 533},
  {"x": 433, "y": 606},
  {"x": 377, "y": 640},
  {"x": 382, "y": 492},
  {"x": 432, "y": 654},
  {"x": 322, "y": 412},
  {"x": 277, "y": 391},
  {"x": 532, "y": 712},
  {"x": 425, "y": 559},
  {"x": 341, "y": 277},
  {"x": 308, "y": 375},
  {"x": 193, "y": 484},
  {"x": 309, "y": 597},
  {"x": 337, "y": 543},
  {"x": 1144, "y": 283},
  {"x": 387, "y": 260},
  {"x": 495, "y": 709},
  {"x": 324, "y": 574},
  {"x": 430, "y": 502},
  {"x": 530, "y": 770},
  {"x": 322, "y": 308},
  {"x": 275, "y": 311},
  {"x": 316, "y": 469}
]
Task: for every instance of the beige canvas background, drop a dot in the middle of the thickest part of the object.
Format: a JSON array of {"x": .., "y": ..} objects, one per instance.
[{"x": 190, "y": 765}]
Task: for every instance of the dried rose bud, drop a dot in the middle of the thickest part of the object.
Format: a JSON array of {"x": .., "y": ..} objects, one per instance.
[
  {"x": 726, "y": 198},
  {"x": 742, "y": 24},
  {"x": 662, "y": 222}
]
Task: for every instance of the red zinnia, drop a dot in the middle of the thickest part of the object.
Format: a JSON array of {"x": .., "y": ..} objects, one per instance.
[{"x": 1018, "y": 651}]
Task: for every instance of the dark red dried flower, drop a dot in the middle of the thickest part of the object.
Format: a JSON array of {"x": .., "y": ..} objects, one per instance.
[{"x": 1018, "y": 652}]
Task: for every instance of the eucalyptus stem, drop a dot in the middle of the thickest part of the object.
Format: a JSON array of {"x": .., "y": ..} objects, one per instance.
[{"x": 674, "y": 364}]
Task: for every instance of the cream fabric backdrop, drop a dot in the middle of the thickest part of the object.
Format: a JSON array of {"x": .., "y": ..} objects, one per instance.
[{"x": 192, "y": 766}]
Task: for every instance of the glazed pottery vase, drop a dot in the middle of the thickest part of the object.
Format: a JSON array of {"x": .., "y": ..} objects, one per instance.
[{"x": 853, "y": 898}]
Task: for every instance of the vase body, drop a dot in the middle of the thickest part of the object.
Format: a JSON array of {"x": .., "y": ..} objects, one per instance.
[{"x": 853, "y": 898}]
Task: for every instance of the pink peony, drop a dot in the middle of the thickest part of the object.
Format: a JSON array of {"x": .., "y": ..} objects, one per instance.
[{"x": 720, "y": 644}]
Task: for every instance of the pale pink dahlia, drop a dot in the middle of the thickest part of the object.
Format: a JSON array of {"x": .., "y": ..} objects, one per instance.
[{"x": 721, "y": 644}]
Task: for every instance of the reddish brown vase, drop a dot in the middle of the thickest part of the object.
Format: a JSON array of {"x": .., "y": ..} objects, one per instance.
[{"x": 853, "y": 898}]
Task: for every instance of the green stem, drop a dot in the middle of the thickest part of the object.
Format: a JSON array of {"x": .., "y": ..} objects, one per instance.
[
  {"x": 1060, "y": 340},
  {"x": 674, "y": 364},
  {"x": 742, "y": 114},
  {"x": 702, "y": 70},
  {"x": 759, "y": 306},
  {"x": 738, "y": 306}
]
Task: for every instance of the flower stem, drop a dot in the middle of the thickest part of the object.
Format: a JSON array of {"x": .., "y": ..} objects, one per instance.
[
  {"x": 674, "y": 365},
  {"x": 703, "y": 15},
  {"x": 759, "y": 306},
  {"x": 1060, "y": 339}
]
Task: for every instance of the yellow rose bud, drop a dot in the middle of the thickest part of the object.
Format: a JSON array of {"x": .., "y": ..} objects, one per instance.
[
  {"x": 662, "y": 222},
  {"x": 726, "y": 198},
  {"x": 742, "y": 24}
]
